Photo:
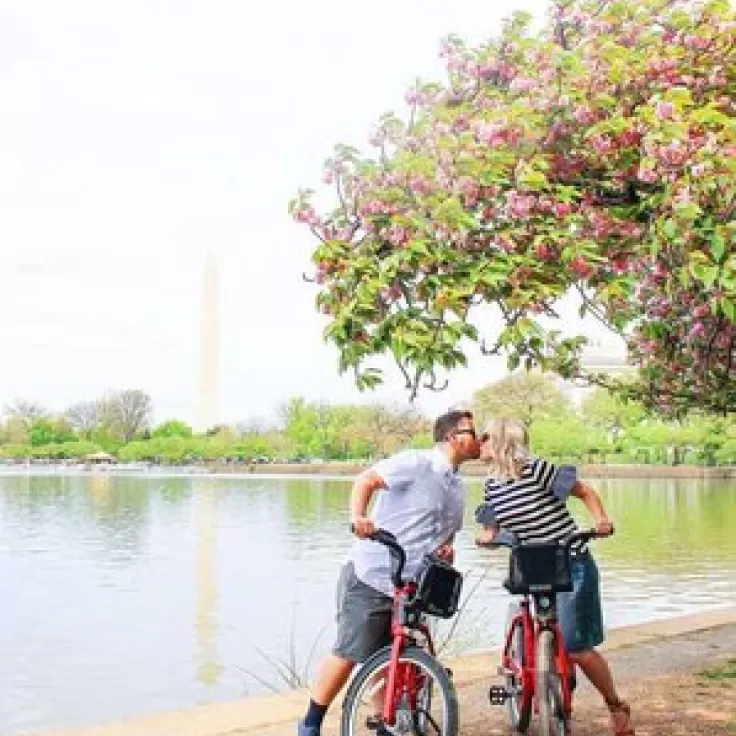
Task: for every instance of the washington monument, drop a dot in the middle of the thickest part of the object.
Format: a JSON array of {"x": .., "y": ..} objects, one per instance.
[{"x": 209, "y": 358}]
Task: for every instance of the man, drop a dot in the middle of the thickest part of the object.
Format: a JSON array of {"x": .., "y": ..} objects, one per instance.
[{"x": 421, "y": 501}]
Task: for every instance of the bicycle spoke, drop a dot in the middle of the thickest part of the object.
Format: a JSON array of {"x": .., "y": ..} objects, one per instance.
[{"x": 431, "y": 721}]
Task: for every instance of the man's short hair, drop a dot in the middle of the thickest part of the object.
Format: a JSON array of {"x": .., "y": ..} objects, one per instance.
[{"x": 448, "y": 422}]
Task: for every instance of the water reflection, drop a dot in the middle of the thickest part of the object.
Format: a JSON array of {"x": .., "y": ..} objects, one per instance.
[
  {"x": 205, "y": 522},
  {"x": 135, "y": 594}
]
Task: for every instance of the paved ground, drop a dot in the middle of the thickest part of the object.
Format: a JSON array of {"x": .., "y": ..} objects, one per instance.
[
  {"x": 658, "y": 679},
  {"x": 656, "y": 665}
]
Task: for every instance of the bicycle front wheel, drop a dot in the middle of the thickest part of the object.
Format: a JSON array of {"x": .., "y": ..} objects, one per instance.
[
  {"x": 426, "y": 701},
  {"x": 552, "y": 719},
  {"x": 519, "y": 703}
]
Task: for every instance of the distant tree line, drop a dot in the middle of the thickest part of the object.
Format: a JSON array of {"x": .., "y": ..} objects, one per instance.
[
  {"x": 120, "y": 423},
  {"x": 601, "y": 428},
  {"x": 604, "y": 427}
]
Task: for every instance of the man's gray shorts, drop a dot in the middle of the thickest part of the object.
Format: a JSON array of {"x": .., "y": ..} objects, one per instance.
[{"x": 363, "y": 618}]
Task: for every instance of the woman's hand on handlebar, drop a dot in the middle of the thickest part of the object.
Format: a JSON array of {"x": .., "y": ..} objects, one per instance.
[
  {"x": 362, "y": 526},
  {"x": 604, "y": 528},
  {"x": 485, "y": 537}
]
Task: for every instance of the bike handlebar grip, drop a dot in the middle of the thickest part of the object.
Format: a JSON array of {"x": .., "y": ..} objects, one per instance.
[
  {"x": 386, "y": 538},
  {"x": 589, "y": 534}
]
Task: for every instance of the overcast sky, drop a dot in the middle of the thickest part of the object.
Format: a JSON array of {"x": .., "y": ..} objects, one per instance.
[{"x": 137, "y": 135}]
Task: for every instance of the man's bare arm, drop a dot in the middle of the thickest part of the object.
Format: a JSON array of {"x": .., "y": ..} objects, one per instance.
[{"x": 366, "y": 484}]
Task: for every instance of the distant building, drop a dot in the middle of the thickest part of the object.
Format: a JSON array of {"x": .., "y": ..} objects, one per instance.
[{"x": 602, "y": 354}]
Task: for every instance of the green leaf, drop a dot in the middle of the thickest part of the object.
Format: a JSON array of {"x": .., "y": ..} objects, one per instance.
[
  {"x": 706, "y": 274},
  {"x": 718, "y": 247},
  {"x": 728, "y": 307},
  {"x": 669, "y": 229}
]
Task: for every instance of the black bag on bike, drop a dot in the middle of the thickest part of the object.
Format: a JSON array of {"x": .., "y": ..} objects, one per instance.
[
  {"x": 539, "y": 568},
  {"x": 438, "y": 587}
]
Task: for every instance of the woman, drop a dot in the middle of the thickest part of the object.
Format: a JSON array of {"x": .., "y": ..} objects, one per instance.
[{"x": 526, "y": 495}]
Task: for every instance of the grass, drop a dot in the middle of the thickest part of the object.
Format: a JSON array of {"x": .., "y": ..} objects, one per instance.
[{"x": 724, "y": 671}]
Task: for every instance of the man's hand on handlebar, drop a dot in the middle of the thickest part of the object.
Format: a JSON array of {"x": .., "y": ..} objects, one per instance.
[
  {"x": 446, "y": 553},
  {"x": 362, "y": 526}
]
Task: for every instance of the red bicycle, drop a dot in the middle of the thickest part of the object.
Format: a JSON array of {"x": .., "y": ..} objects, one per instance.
[
  {"x": 402, "y": 690},
  {"x": 538, "y": 674}
]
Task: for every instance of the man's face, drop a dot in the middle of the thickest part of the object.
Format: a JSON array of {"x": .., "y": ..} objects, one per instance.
[{"x": 465, "y": 440}]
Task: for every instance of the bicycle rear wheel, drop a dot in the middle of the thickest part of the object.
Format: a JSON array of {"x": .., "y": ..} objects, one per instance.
[
  {"x": 552, "y": 719},
  {"x": 426, "y": 698},
  {"x": 519, "y": 703}
]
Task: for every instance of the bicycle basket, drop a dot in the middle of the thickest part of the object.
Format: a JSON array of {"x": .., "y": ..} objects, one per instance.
[
  {"x": 539, "y": 568},
  {"x": 438, "y": 588}
]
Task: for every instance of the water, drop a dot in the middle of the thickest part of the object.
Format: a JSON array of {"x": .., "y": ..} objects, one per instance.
[{"x": 124, "y": 595}]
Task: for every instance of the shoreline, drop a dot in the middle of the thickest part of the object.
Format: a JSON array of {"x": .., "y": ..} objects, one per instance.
[
  {"x": 478, "y": 470},
  {"x": 275, "y": 715},
  {"x": 349, "y": 470}
]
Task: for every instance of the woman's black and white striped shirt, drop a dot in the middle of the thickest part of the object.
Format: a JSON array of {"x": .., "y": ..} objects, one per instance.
[{"x": 533, "y": 505}]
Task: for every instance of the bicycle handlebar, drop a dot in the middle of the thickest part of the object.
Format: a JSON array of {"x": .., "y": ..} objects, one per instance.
[
  {"x": 508, "y": 539},
  {"x": 587, "y": 535},
  {"x": 384, "y": 537}
]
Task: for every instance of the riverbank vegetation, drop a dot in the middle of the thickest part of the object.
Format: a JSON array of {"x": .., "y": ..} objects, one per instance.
[{"x": 595, "y": 427}]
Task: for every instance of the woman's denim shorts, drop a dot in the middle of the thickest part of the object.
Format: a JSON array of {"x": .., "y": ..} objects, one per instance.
[{"x": 579, "y": 612}]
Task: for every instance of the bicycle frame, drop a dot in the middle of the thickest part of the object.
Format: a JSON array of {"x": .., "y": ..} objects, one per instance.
[
  {"x": 531, "y": 626},
  {"x": 404, "y": 625},
  {"x": 536, "y": 617}
]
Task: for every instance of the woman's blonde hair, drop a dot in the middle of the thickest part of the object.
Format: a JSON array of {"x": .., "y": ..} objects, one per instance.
[{"x": 509, "y": 443}]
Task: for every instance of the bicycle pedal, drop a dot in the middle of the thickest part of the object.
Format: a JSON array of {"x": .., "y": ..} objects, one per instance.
[
  {"x": 498, "y": 695},
  {"x": 375, "y": 723}
]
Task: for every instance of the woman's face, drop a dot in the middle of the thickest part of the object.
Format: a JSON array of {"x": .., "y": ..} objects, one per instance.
[{"x": 485, "y": 448}]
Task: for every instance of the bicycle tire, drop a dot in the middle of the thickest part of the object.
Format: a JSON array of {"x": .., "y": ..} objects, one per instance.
[
  {"x": 351, "y": 723},
  {"x": 552, "y": 720},
  {"x": 519, "y": 703}
]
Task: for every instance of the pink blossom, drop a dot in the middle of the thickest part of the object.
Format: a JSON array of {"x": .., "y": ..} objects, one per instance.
[
  {"x": 519, "y": 205},
  {"x": 697, "y": 329},
  {"x": 489, "y": 69},
  {"x": 306, "y": 215},
  {"x": 584, "y": 115},
  {"x": 491, "y": 133},
  {"x": 673, "y": 154},
  {"x": 698, "y": 169},
  {"x": 377, "y": 138},
  {"x": 414, "y": 97},
  {"x": 698, "y": 43},
  {"x": 562, "y": 209},
  {"x": 665, "y": 110},
  {"x": 630, "y": 138},
  {"x": 646, "y": 174},
  {"x": 419, "y": 184},
  {"x": 702, "y": 310},
  {"x": 397, "y": 235},
  {"x": 521, "y": 84},
  {"x": 601, "y": 144}
]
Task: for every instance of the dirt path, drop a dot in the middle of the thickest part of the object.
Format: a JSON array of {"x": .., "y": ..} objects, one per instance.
[
  {"x": 656, "y": 666},
  {"x": 682, "y": 702}
]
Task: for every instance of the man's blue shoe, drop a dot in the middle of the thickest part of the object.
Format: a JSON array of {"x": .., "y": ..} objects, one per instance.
[{"x": 303, "y": 730}]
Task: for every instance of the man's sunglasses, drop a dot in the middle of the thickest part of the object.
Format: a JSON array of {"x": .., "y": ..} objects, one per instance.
[{"x": 483, "y": 438}]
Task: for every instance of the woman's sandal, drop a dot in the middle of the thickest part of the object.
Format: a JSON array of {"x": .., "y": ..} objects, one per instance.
[{"x": 621, "y": 706}]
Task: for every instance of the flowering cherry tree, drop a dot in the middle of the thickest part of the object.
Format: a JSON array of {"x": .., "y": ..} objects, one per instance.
[{"x": 597, "y": 156}]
